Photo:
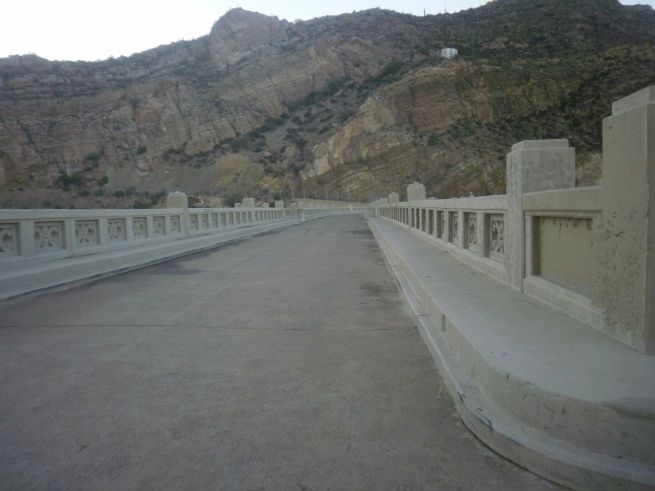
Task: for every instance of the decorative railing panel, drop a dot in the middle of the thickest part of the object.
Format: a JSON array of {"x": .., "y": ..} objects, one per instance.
[
  {"x": 48, "y": 236},
  {"x": 8, "y": 239},
  {"x": 158, "y": 226},
  {"x": 471, "y": 223},
  {"x": 496, "y": 231},
  {"x": 193, "y": 222},
  {"x": 441, "y": 224},
  {"x": 454, "y": 226},
  {"x": 140, "y": 228},
  {"x": 86, "y": 233},
  {"x": 116, "y": 230},
  {"x": 175, "y": 224}
]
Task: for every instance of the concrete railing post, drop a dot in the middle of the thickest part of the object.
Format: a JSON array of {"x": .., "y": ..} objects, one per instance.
[
  {"x": 180, "y": 200},
  {"x": 532, "y": 165},
  {"x": 26, "y": 246},
  {"x": 623, "y": 284},
  {"x": 415, "y": 192}
]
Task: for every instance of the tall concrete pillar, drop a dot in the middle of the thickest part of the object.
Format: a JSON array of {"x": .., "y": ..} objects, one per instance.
[
  {"x": 624, "y": 239},
  {"x": 415, "y": 192},
  {"x": 532, "y": 165},
  {"x": 179, "y": 200}
]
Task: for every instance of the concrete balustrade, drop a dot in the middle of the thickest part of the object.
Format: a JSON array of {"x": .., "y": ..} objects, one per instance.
[
  {"x": 565, "y": 389},
  {"x": 585, "y": 251},
  {"x": 45, "y": 248},
  {"x": 66, "y": 233},
  {"x": 471, "y": 229}
]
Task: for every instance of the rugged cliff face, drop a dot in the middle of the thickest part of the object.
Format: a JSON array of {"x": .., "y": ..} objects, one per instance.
[{"x": 359, "y": 103}]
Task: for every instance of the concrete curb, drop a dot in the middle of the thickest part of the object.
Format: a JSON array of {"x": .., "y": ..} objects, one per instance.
[{"x": 552, "y": 458}]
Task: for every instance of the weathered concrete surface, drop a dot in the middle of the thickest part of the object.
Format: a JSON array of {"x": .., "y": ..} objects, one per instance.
[
  {"x": 532, "y": 165},
  {"x": 415, "y": 192},
  {"x": 624, "y": 283},
  {"x": 248, "y": 202},
  {"x": 540, "y": 387},
  {"x": 562, "y": 251},
  {"x": 285, "y": 362}
]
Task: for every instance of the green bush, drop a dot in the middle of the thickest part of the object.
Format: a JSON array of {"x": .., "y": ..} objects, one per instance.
[
  {"x": 343, "y": 117},
  {"x": 235, "y": 144},
  {"x": 94, "y": 158},
  {"x": 66, "y": 181},
  {"x": 233, "y": 196}
]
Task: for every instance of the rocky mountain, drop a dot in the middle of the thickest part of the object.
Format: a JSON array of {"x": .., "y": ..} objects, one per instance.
[{"x": 359, "y": 103}]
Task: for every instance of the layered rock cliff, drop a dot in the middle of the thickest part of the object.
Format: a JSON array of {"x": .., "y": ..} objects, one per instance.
[{"x": 360, "y": 103}]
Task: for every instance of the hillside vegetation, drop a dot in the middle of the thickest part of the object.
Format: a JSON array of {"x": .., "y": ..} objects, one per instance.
[{"x": 360, "y": 103}]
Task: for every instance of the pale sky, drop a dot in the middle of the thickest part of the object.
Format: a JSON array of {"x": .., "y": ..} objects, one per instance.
[{"x": 95, "y": 30}]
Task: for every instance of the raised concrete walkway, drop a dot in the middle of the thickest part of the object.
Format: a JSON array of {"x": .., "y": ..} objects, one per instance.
[
  {"x": 535, "y": 384},
  {"x": 284, "y": 362}
]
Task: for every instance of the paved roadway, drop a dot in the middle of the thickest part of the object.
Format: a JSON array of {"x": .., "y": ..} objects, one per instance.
[{"x": 283, "y": 362}]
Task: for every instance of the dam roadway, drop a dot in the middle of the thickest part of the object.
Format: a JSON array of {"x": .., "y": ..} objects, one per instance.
[{"x": 285, "y": 361}]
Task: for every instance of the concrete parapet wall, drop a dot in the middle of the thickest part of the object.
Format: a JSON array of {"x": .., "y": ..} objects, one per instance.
[
  {"x": 47, "y": 248},
  {"x": 22, "y": 277},
  {"x": 585, "y": 251},
  {"x": 39, "y": 234}
]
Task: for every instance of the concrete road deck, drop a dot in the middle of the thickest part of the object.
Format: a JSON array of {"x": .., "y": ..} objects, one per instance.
[{"x": 283, "y": 362}]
